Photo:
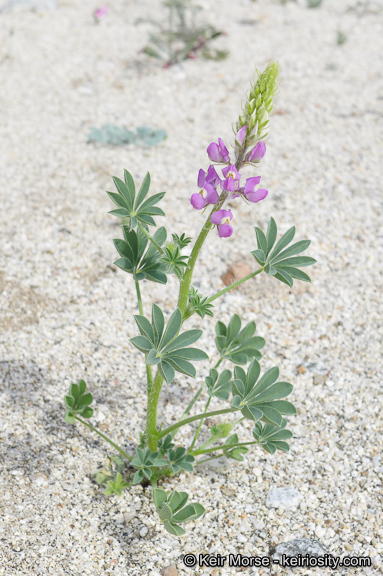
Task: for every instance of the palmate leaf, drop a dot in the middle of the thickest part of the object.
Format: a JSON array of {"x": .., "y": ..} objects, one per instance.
[
  {"x": 165, "y": 347},
  {"x": 145, "y": 460},
  {"x": 182, "y": 240},
  {"x": 174, "y": 261},
  {"x": 234, "y": 453},
  {"x": 142, "y": 265},
  {"x": 115, "y": 486},
  {"x": 179, "y": 460},
  {"x": 173, "y": 510},
  {"x": 78, "y": 402},
  {"x": 260, "y": 398},
  {"x": 219, "y": 387},
  {"x": 198, "y": 304},
  {"x": 282, "y": 261},
  {"x": 238, "y": 346},
  {"x": 135, "y": 209},
  {"x": 272, "y": 437}
]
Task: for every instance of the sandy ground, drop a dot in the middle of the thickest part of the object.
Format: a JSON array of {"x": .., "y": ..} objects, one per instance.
[{"x": 65, "y": 310}]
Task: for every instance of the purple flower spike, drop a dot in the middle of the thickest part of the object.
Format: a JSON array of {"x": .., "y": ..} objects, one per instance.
[
  {"x": 257, "y": 153},
  {"x": 232, "y": 178},
  {"x": 222, "y": 219},
  {"x": 250, "y": 191},
  {"x": 218, "y": 152},
  {"x": 241, "y": 135}
]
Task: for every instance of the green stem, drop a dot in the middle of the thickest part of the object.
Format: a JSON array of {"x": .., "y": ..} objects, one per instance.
[
  {"x": 199, "y": 427},
  {"x": 207, "y": 460},
  {"x": 187, "y": 277},
  {"x": 120, "y": 450},
  {"x": 234, "y": 285},
  {"x": 151, "y": 413},
  {"x": 190, "y": 405},
  {"x": 193, "y": 419},
  {"x": 239, "y": 420},
  {"x": 223, "y": 447},
  {"x": 160, "y": 250},
  {"x": 149, "y": 376}
]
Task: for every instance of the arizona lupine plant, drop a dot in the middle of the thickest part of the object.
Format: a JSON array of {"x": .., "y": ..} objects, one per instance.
[{"x": 236, "y": 384}]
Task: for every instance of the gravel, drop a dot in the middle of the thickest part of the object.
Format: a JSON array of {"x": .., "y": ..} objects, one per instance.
[{"x": 65, "y": 310}]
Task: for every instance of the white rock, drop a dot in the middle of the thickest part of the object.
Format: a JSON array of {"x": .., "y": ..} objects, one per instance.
[{"x": 287, "y": 497}]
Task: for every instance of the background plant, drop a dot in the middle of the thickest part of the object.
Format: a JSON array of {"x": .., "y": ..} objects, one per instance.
[
  {"x": 239, "y": 387},
  {"x": 182, "y": 35}
]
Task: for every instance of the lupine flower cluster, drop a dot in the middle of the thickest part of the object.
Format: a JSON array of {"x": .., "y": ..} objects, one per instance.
[
  {"x": 250, "y": 131},
  {"x": 212, "y": 186}
]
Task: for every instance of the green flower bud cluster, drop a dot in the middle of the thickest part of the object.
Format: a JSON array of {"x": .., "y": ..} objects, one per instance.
[{"x": 259, "y": 104}]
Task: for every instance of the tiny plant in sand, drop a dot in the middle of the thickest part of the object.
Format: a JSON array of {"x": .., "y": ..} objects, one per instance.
[
  {"x": 236, "y": 384},
  {"x": 181, "y": 37}
]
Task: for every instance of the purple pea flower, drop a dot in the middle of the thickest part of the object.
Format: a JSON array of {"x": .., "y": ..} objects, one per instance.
[
  {"x": 208, "y": 194},
  {"x": 218, "y": 152},
  {"x": 257, "y": 153},
  {"x": 232, "y": 178},
  {"x": 222, "y": 219},
  {"x": 212, "y": 177},
  {"x": 251, "y": 193},
  {"x": 101, "y": 12}
]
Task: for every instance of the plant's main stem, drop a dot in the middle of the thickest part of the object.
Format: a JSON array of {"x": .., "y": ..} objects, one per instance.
[
  {"x": 152, "y": 435},
  {"x": 187, "y": 277},
  {"x": 149, "y": 377},
  {"x": 120, "y": 450},
  {"x": 154, "y": 390}
]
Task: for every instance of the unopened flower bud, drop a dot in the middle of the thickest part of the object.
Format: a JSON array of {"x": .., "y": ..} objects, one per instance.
[{"x": 257, "y": 153}]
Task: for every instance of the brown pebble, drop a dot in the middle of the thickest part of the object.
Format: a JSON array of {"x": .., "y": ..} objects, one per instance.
[
  {"x": 302, "y": 369},
  {"x": 236, "y": 272},
  {"x": 170, "y": 570}
]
